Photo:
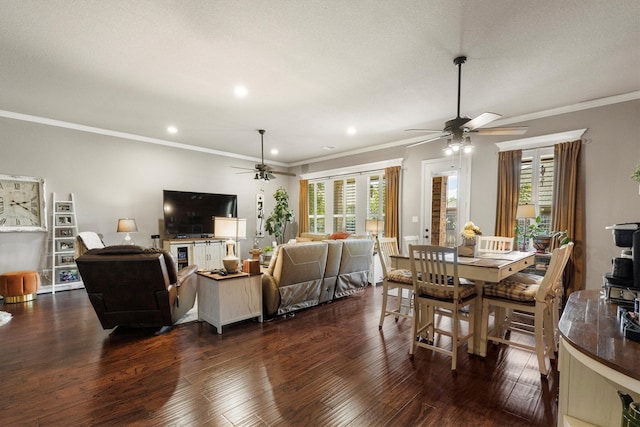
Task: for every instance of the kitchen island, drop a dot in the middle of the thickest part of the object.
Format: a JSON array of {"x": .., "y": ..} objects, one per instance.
[{"x": 595, "y": 362}]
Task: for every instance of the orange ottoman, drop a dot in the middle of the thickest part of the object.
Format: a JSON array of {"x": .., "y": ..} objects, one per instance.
[{"x": 19, "y": 286}]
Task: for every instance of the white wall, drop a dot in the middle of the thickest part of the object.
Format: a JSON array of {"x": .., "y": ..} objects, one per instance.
[
  {"x": 611, "y": 154},
  {"x": 114, "y": 178}
]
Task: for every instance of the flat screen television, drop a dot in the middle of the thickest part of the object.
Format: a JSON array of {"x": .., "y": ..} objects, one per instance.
[{"x": 189, "y": 214}]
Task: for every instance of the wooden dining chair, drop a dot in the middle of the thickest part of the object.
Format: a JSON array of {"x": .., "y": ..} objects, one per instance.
[
  {"x": 535, "y": 299},
  {"x": 494, "y": 244},
  {"x": 437, "y": 291},
  {"x": 394, "y": 279}
]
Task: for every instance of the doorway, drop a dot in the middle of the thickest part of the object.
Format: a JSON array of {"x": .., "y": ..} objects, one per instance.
[{"x": 445, "y": 199}]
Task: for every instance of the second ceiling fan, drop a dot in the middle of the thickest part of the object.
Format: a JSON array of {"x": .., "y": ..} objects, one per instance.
[
  {"x": 263, "y": 171},
  {"x": 459, "y": 129}
]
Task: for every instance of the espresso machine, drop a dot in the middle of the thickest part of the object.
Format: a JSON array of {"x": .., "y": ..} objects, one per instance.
[{"x": 622, "y": 284}]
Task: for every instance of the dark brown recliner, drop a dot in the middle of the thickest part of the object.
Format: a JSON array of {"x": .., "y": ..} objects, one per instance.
[{"x": 132, "y": 286}]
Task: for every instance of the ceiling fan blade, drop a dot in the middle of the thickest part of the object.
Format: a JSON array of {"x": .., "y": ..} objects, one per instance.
[
  {"x": 434, "y": 138},
  {"x": 239, "y": 167},
  {"x": 283, "y": 173},
  {"x": 481, "y": 120},
  {"x": 515, "y": 130}
]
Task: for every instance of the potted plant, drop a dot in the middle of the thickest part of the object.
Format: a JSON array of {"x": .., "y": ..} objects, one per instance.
[
  {"x": 636, "y": 176},
  {"x": 276, "y": 223},
  {"x": 267, "y": 252},
  {"x": 536, "y": 232}
]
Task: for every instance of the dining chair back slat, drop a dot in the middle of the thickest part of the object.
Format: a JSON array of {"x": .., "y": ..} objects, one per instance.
[{"x": 494, "y": 244}]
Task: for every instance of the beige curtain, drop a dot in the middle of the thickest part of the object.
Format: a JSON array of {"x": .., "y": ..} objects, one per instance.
[
  {"x": 303, "y": 207},
  {"x": 391, "y": 208},
  {"x": 508, "y": 192},
  {"x": 568, "y": 208}
]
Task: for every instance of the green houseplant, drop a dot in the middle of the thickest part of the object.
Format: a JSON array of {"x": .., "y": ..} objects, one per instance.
[
  {"x": 636, "y": 174},
  {"x": 276, "y": 223},
  {"x": 533, "y": 231}
]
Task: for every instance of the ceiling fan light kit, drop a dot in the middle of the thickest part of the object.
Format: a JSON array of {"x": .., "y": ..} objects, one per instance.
[{"x": 458, "y": 130}]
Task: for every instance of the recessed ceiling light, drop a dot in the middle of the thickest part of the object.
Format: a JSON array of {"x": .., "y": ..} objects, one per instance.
[
  {"x": 172, "y": 129},
  {"x": 274, "y": 151},
  {"x": 329, "y": 147},
  {"x": 240, "y": 91},
  {"x": 351, "y": 130}
]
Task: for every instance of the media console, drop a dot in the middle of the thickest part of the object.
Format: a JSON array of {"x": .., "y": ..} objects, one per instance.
[{"x": 206, "y": 253}]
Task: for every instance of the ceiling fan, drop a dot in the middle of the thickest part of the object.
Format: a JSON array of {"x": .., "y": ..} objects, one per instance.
[
  {"x": 263, "y": 171},
  {"x": 459, "y": 130}
]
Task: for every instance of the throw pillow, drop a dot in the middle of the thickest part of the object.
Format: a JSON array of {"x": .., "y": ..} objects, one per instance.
[{"x": 339, "y": 235}]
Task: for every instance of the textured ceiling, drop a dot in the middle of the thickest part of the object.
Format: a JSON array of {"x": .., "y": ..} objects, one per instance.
[{"x": 312, "y": 67}]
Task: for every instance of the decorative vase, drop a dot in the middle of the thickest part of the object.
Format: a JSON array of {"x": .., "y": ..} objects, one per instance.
[
  {"x": 469, "y": 241},
  {"x": 541, "y": 243},
  {"x": 468, "y": 247}
]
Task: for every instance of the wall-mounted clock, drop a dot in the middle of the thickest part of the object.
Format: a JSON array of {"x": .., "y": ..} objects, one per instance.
[{"x": 22, "y": 204}]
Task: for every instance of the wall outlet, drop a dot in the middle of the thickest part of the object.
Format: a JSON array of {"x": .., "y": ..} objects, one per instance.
[{"x": 414, "y": 219}]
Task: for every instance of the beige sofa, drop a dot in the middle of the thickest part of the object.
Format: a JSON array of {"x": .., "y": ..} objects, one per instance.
[{"x": 304, "y": 275}]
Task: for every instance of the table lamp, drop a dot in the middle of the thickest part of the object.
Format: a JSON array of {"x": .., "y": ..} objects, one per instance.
[
  {"x": 525, "y": 212},
  {"x": 372, "y": 226},
  {"x": 231, "y": 229},
  {"x": 127, "y": 225}
]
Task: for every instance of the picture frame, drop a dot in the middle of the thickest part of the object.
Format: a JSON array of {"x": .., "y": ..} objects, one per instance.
[
  {"x": 259, "y": 215},
  {"x": 63, "y": 207},
  {"x": 64, "y": 232},
  {"x": 66, "y": 259},
  {"x": 22, "y": 203},
  {"x": 65, "y": 245},
  {"x": 67, "y": 275},
  {"x": 64, "y": 220}
]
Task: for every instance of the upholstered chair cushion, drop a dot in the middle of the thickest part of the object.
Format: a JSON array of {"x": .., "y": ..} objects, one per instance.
[
  {"x": 400, "y": 275},
  {"x": 512, "y": 290},
  {"x": 464, "y": 292}
]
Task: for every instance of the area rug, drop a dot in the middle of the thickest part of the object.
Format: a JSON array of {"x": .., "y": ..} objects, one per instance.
[
  {"x": 191, "y": 315},
  {"x": 4, "y": 318}
]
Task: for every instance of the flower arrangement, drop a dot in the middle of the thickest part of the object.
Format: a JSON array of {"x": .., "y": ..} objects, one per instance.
[{"x": 471, "y": 230}]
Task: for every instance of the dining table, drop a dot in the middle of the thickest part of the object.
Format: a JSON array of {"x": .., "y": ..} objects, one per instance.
[{"x": 481, "y": 269}]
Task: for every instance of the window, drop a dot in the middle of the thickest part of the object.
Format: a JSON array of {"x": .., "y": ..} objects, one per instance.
[
  {"x": 316, "y": 207},
  {"x": 536, "y": 183},
  {"x": 343, "y": 199},
  {"x": 376, "y": 198},
  {"x": 344, "y": 205}
]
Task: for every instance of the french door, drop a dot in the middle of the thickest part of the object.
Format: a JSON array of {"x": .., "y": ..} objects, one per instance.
[{"x": 445, "y": 199}]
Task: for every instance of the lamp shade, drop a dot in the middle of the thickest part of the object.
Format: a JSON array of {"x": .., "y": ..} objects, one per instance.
[
  {"x": 230, "y": 228},
  {"x": 371, "y": 225},
  {"x": 526, "y": 211},
  {"x": 127, "y": 225}
]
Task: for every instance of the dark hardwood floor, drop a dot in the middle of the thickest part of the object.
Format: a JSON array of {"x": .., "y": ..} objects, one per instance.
[{"x": 327, "y": 366}]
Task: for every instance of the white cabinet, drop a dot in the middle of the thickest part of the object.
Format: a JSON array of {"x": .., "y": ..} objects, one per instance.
[
  {"x": 228, "y": 299},
  {"x": 205, "y": 253}
]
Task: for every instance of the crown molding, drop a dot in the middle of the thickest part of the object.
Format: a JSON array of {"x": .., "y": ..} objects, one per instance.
[{"x": 125, "y": 135}]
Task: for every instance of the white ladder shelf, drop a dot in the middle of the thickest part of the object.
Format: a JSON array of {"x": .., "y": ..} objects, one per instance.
[{"x": 64, "y": 231}]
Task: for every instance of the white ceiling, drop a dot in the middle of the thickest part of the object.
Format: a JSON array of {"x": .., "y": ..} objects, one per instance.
[{"x": 312, "y": 67}]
